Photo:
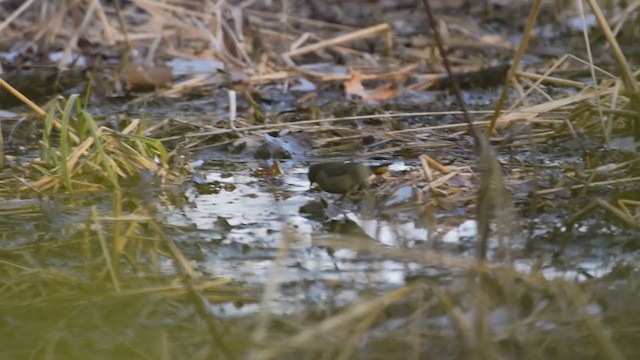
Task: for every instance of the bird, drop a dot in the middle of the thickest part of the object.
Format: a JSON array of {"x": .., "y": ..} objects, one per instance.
[{"x": 339, "y": 177}]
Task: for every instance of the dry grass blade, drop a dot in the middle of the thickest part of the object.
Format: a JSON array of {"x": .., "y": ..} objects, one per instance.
[
  {"x": 356, "y": 35},
  {"x": 628, "y": 79},
  {"x": 33, "y": 106},
  {"x": 624, "y": 217},
  {"x": 606, "y": 125},
  {"x": 183, "y": 263},
  {"x": 533, "y": 15},
  {"x": 271, "y": 289},
  {"x": 65, "y": 146},
  {"x": 350, "y": 317},
  {"x": 105, "y": 250},
  {"x": 591, "y": 184},
  {"x": 25, "y": 5},
  {"x": 464, "y": 329},
  {"x": 550, "y": 80},
  {"x": 350, "y": 344},
  {"x": 529, "y": 113},
  {"x": 608, "y": 349}
]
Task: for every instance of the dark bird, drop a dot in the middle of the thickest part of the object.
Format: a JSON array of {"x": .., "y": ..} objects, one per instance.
[{"x": 338, "y": 177}]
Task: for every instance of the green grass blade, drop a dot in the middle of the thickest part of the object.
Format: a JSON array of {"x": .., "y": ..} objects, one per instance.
[
  {"x": 64, "y": 142},
  {"x": 106, "y": 160},
  {"x": 143, "y": 144}
]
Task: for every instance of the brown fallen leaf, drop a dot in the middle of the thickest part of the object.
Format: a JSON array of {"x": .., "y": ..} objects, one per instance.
[
  {"x": 140, "y": 78},
  {"x": 384, "y": 92},
  {"x": 426, "y": 159},
  {"x": 354, "y": 86},
  {"x": 272, "y": 171},
  {"x": 275, "y": 168}
]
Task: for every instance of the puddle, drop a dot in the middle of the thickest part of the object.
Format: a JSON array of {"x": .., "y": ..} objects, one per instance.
[{"x": 243, "y": 228}]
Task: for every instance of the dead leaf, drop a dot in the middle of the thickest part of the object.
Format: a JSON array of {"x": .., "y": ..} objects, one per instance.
[
  {"x": 354, "y": 86},
  {"x": 424, "y": 158},
  {"x": 384, "y": 92},
  {"x": 275, "y": 168},
  {"x": 139, "y": 78},
  {"x": 272, "y": 171}
]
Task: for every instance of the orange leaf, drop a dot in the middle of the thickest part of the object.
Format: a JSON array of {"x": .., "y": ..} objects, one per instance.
[
  {"x": 354, "y": 85},
  {"x": 384, "y": 92}
]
